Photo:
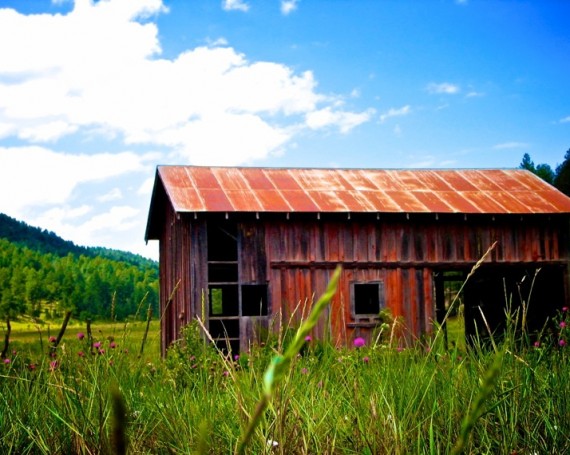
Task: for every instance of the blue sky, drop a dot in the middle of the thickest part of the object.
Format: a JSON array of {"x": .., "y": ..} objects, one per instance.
[{"x": 94, "y": 95}]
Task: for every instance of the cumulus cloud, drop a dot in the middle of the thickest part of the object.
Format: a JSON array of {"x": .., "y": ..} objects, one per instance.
[
  {"x": 288, "y": 6},
  {"x": 395, "y": 112},
  {"x": 235, "y": 5},
  {"x": 98, "y": 72},
  {"x": 111, "y": 79},
  {"x": 37, "y": 176},
  {"x": 444, "y": 87}
]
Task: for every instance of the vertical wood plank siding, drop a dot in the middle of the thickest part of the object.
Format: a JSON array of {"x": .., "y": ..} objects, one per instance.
[{"x": 296, "y": 258}]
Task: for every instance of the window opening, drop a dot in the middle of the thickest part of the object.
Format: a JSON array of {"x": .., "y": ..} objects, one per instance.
[
  {"x": 254, "y": 299},
  {"x": 223, "y": 300},
  {"x": 222, "y": 242},
  {"x": 368, "y": 299}
]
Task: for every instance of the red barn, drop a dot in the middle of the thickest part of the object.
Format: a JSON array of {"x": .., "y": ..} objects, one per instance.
[{"x": 250, "y": 247}]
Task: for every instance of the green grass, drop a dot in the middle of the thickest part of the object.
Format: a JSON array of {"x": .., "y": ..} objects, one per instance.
[
  {"x": 285, "y": 395},
  {"x": 371, "y": 400}
]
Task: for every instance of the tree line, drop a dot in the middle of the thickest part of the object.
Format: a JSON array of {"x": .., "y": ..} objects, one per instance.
[
  {"x": 558, "y": 177},
  {"x": 44, "y": 284}
]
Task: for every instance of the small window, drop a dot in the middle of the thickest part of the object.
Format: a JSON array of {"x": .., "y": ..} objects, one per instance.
[
  {"x": 223, "y": 300},
  {"x": 367, "y": 299}
]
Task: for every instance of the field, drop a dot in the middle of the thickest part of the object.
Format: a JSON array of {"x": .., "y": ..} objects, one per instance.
[{"x": 101, "y": 396}]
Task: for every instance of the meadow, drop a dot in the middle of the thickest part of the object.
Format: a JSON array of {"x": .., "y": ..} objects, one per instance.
[{"x": 290, "y": 394}]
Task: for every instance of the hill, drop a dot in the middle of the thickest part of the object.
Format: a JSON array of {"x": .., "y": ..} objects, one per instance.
[
  {"x": 43, "y": 276},
  {"x": 45, "y": 241}
]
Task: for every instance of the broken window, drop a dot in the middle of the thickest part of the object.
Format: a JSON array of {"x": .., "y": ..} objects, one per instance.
[
  {"x": 367, "y": 299},
  {"x": 223, "y": 300},
  {"x": 254, "y": 299}
]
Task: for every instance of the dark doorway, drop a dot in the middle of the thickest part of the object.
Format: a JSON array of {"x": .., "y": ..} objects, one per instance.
[{"x": 530, "y": 295}]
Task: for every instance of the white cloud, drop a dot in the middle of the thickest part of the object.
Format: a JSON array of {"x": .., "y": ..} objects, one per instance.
[
  {"x": 565, "y": 120},
  {"x": 97, "y": 72},
  {"x": 510, "y": 145},
  {"x": 115, "y": 83},
  {"x": 38, "y": 176},
  {"x": 443, "y": 87},
  {"x": 474, "y": 94},
  {"x": 344, "y": 120},
  {"x": 97, "y": 230},
  {"x": 288, "y": 6},
  {"x": 235, "y": 5},
  {"x": 393, "y": 112}
]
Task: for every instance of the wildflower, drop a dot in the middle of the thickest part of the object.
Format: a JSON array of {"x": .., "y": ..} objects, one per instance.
[
  {"x": 7, "y": 361},
  {"x": 359, "y": 342},
  {"x": 101, "y": 351},
  {"x": 112, "y": 345},
  {"x": 97, "y": 344},
  {"x": 53, "y": 365},
  {"x": 537, "y": 344},
  {"x": 564, "y": 309},
  {"x": 126, "y": 351},
  {"x": 562, "y": 324},
  {"x": 80, "y": 335},
  {"x": 32, "y": 366},
  {"x": 308, "y": 338},
  {"x": 14, "y": 352},
  {"x": 52, "y": 339},
  {"x": 226, "y": 373},
  {"x": 562, "y": 343},
  {"x": 236, "y": 358},
  {"x": 366, "y": 359},
  {"x": 304, "y": 371},
  {"x": 81, "y": 354}
]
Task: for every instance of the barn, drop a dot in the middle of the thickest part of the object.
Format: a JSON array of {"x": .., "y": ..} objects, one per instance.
[{"x": 247, "y": 248}]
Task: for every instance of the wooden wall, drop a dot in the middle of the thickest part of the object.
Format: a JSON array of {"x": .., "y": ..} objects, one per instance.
[{"x": 297, "y": 256}]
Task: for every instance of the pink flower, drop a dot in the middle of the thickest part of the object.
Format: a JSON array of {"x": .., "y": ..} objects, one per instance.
[
  {"x": 80, "y": 335},
  {"x": 304, "y": 371},
  {"x": 366, "y": 359},
  {"x": 32, "y": 366},
  {"x": 562, "y": 324},
  {"x": 52, "y": 339},
  {"x": 7, "y": 361},
  {"x": 308, "y": 338},
  {"x": 113, "y": 345},
  {"x": 53, "y": 365},
  {"x": 537, "y": 344},
  {"x": 101, "y": 351},
  {"x": 562, "y": 343},
  {"x": 97, "y": 344},
  {"x": 564, "y": 309},
  {"x": 359, "y": 342},
  {"x": 236, "y": 358},
  {"x": 81, "y": 354},
  {"x": 226, "y": 373}
]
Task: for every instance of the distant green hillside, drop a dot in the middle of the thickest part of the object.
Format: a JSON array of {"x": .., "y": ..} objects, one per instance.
[
  {"x": 42, "y": 276},
  {"x": 45, "y": 241}
]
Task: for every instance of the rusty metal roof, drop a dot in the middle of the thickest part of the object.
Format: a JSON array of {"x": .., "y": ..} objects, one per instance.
[{"x": 470, "y": 191}]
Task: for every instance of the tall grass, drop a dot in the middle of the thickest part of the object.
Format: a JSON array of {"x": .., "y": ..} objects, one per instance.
[{"x": 373, "y": 399}]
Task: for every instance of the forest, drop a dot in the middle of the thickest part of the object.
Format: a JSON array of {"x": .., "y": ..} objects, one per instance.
[{"x": 43, "y": 276}]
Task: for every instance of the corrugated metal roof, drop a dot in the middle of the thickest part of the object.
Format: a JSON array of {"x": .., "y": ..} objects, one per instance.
[{"x": 230, "y": 189}]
